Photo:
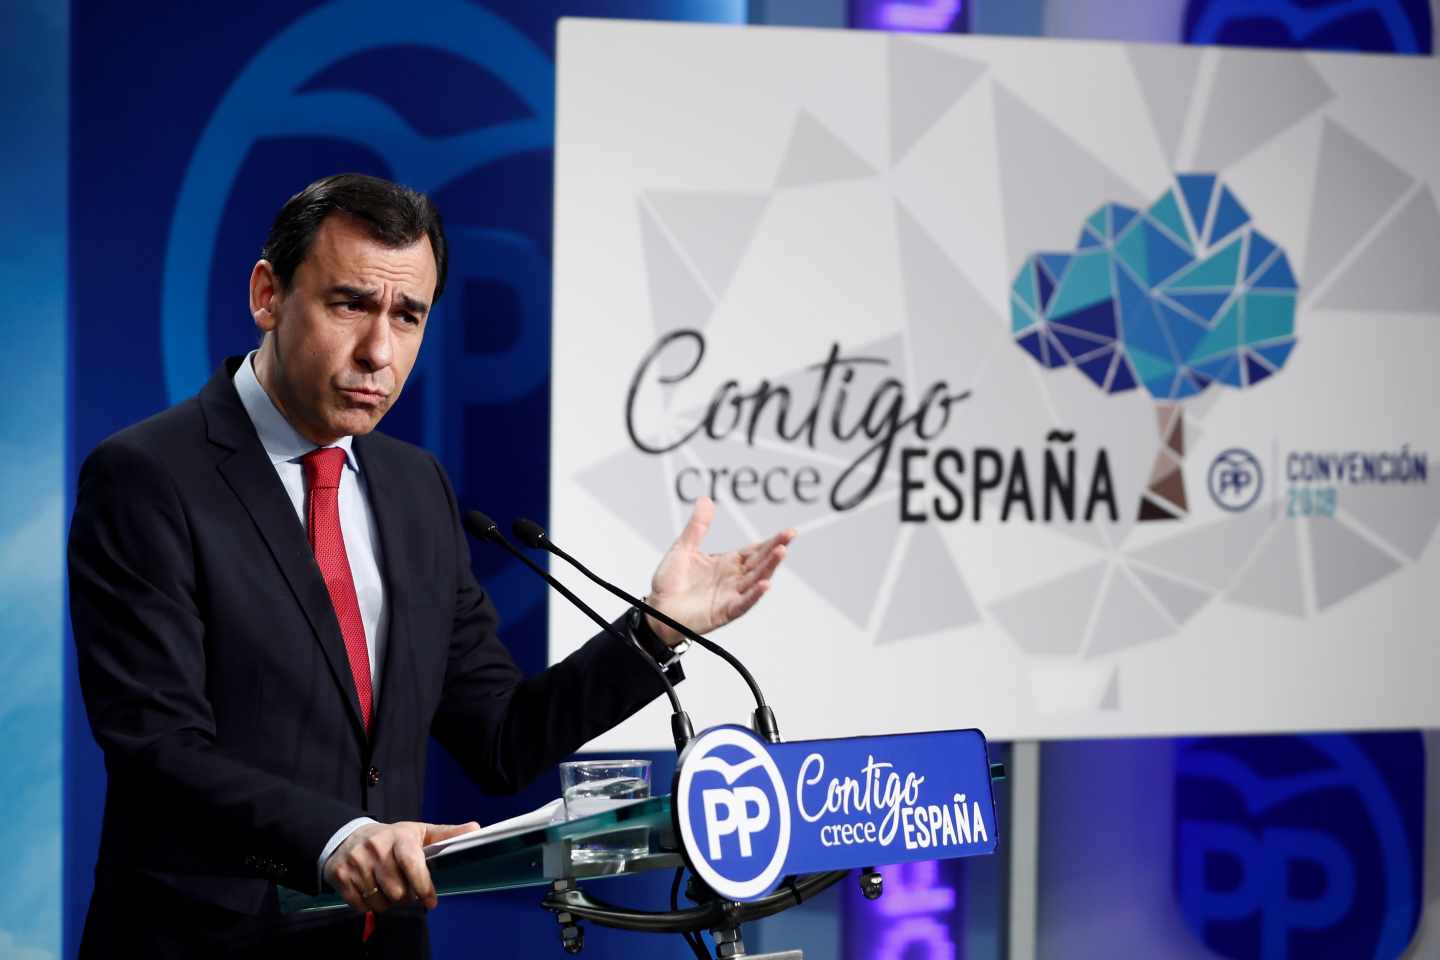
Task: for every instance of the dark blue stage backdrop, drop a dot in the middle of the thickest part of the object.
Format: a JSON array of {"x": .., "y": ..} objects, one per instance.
[{"x": 189, "y": 131}]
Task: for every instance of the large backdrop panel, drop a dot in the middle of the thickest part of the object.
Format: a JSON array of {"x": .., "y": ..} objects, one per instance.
[{"x": 1097, "y": 378}]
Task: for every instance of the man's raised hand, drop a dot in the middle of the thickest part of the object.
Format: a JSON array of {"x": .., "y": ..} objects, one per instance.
[{"x": 705, "y": 591}]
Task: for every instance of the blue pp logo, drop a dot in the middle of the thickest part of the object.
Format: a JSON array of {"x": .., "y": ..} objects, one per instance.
[
  {"x": 277, "y": 96},
  {"x": 734, "y": 812},
  {"x": 1300, "y": 846},
  {"x": 1235, "y": 479},
  {"x": 274, "y": 96}
]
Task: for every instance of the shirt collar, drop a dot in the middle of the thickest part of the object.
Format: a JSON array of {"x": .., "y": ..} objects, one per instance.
[{"x": 282, "y": 442}]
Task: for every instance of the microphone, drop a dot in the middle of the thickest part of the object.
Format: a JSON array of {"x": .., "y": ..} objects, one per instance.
[
  {"x": 533, "y": 535},
  {"x": 482, "y": 527}
]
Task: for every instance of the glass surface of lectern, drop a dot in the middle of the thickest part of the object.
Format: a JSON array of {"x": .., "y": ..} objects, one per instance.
[{"x": 536, "y": 856}]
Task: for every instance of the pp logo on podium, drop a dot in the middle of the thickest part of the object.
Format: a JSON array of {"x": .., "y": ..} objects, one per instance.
[{"x": 733, "y": 812}]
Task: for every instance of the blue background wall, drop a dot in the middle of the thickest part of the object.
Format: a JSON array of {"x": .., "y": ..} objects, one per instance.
[
  {"x": 146, "y": 154},
  {"x": 33, "y": 58}
]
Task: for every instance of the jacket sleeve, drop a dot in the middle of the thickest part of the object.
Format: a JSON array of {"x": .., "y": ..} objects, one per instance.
[
  {"x": 506, "y": 729},
  {"x": 140, "y": 646}
]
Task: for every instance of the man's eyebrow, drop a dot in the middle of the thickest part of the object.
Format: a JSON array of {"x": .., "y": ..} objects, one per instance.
[
  {"x": 413, "y": 305},
  {"x": 353, "y": 293}
]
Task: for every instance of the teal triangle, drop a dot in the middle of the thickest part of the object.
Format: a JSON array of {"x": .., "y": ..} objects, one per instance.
[
  {"x": 1150, "y": 368},
  {"x": 1260, "y": 250},
  {"x": 1097, "y": 222},
  {"x": 1223, "y": 338},
  {"x": 1196, "y": 188},
  {"x": 1277, "y": 276},
  {"x": 1229, "y": 217},
  {"x": 1025, "y": 287},
  {"x": 1021, "y": 319},
  {"x": 1220, "y": 269},
  {"x": 1086, "y": 282},
  {"x": 1268, "y": 316},
  {"x": 1130, "y": 248},
  {"x": 1205, "y": 306},
  {"x": 1166, "y": 212},
  {"x": 1276, "y": 354},
  {"x": 1163, "y": 257}
]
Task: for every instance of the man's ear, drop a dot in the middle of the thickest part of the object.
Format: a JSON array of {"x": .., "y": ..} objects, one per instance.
[{"x": 264, "y": 295}]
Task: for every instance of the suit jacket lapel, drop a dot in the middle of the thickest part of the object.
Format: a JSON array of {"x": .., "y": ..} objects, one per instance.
[
  {"x": 384, "y": 484},
  {"x": 251, "y": 476}
]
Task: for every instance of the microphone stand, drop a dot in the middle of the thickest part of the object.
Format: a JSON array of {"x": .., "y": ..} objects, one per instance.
[
  {"x": 533, "y": 535},
  {"x": 483, "y": 528}
]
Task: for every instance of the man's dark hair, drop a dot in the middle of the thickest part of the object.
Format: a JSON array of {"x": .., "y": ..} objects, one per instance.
[{"x": 393, "y": 215}]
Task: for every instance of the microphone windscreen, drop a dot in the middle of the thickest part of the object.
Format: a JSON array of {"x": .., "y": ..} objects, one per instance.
[
  {"x": 529, "y": 533},
  {"x": 480, "y": 526}
]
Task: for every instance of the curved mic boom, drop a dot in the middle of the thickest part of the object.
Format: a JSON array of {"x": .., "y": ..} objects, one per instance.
[
  {"x": 482, "y": 527},
  {"x": 533, "y": 535}
]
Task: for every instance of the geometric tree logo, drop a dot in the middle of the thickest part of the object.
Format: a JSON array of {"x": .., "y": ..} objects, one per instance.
[{"x": 1174, "y": 299}]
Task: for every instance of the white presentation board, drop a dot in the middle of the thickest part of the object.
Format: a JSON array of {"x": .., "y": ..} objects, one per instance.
[{"x": 1098, "y": 379}]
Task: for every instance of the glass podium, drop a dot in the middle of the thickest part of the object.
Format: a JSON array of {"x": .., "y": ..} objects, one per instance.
[
  {"x": 536, "y": 857},
  {"x": 541, "y": 857}
]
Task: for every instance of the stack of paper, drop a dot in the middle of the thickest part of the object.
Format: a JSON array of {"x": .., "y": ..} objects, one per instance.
[{"x": 543, "y": 816}]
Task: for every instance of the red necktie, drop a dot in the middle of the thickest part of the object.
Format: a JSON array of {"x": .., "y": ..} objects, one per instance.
[{"x": 322, "y": 481}]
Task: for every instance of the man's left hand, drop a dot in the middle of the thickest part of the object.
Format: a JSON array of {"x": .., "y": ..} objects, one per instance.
[{"x": 705, "y": 591}]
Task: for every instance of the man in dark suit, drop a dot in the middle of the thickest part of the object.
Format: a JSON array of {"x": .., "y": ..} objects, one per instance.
[{"x": 273, "y": 610}]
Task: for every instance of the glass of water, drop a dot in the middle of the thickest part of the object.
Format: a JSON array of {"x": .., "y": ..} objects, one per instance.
[{"x": 595, "y": 786}]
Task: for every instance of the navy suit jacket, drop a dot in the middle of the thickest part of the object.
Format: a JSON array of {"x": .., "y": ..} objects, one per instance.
[{"x": 215, "y": 677}]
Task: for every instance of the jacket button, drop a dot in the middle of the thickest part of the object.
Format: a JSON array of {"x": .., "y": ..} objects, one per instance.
[{"x": 373, "y": 777}]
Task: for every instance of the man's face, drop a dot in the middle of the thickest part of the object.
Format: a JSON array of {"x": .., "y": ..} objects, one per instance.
[{"x": 343, "y": 337}]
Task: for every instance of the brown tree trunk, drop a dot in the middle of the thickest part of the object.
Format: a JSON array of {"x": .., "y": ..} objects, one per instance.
[{"x": 1164, "y": 498}]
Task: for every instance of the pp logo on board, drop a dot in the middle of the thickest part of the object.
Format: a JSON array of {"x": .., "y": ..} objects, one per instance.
[
  {"x": 1235, "y": 479},
  {"x": 733, "y": 812}
]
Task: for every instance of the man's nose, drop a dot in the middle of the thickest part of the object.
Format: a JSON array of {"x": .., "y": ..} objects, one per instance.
[{"x": 374, "y": 351}]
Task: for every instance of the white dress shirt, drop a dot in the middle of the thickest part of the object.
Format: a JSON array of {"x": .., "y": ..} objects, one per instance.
[{"x": 286, "y": 446}]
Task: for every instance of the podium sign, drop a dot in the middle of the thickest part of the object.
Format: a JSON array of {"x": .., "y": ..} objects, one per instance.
[{"x": 749, "y": 812}]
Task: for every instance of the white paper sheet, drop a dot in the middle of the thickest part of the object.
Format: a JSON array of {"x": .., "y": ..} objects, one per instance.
[{"x": 539, "y": 817}]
